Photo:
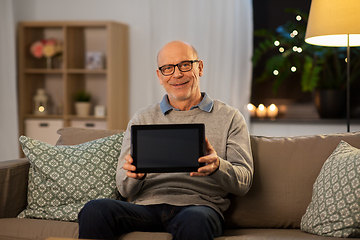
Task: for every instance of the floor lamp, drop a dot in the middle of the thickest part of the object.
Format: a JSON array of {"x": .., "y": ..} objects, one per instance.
[{"x": 335, "y": 23}]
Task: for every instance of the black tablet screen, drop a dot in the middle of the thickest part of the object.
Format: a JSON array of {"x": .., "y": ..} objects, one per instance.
[{"x": 167, "y": 148}]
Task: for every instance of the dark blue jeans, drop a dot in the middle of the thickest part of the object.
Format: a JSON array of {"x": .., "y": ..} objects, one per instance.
[{"x": 108, "y": 219}]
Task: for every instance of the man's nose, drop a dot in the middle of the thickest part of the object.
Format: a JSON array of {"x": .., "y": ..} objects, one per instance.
[{"x": 177, "y": 72}]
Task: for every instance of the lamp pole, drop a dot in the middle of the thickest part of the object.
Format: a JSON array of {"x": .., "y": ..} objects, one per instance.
[{"x": 348, "y": 83}]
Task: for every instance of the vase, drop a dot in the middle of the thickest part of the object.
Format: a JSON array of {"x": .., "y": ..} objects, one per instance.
[
  {"x": 82, "y": 109},
  {"x": 331, "y": 103}
]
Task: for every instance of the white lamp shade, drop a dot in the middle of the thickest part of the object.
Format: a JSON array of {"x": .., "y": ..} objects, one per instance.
[{"x": 330, "y": 21}]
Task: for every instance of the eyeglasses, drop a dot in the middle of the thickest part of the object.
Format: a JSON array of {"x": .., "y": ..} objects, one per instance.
[{"x": 183, "y": 66}]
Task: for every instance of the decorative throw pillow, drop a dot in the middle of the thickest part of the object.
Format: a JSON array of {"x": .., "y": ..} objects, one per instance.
[
  {"x": 63, "y": 178},
  {"x": 334, "y": 209}
]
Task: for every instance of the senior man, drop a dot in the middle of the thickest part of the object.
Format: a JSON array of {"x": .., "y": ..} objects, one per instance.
[{"x": 187, "y": 205}]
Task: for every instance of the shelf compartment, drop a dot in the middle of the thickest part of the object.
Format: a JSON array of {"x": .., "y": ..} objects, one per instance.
[
  {"x": 82, "y": 40},
  {"x": 53, "y": 85},
  {"x": 96, "y": 84},
  {"x": 32, "y": 34}
]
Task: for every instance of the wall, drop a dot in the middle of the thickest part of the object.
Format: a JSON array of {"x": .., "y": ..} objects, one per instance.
[{"x": 220, "y": 30}]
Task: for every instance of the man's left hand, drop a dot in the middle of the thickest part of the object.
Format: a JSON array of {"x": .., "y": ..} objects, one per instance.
[{"x": 211, "y": 160}]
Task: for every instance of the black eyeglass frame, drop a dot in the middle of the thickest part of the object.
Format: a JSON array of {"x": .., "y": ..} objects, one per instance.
[{"x": 177, "y": 65}]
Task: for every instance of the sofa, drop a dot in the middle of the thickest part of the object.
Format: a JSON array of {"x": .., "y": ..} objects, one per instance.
[{"x": 286, "y": 169}]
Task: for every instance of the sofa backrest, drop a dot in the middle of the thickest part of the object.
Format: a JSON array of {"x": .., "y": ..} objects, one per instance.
[{"x": 285, "y": 169}]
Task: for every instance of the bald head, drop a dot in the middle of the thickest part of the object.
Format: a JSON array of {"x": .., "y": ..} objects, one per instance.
[{"x": 175, "y": 47}]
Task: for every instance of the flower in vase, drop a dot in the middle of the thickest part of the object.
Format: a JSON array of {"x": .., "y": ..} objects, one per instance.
[
  {"x": 46, "y": 48},
  {"x": 49, "y": 49},
  {"x": 36, "y": 49}
]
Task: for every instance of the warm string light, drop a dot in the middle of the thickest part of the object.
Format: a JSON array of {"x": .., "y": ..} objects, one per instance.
[{"x": 296, "y": 49}]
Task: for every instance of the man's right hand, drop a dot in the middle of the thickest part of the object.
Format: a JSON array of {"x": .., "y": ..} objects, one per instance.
[{"x": 130, "y": 168}]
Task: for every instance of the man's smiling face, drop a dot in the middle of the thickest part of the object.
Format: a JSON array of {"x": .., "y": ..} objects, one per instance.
[{"x": 183, "y": 88}]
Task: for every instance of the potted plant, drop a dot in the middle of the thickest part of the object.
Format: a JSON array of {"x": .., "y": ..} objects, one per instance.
[
  {"x": 82, "y": 103},
  {"x": 322, "y": 69}
]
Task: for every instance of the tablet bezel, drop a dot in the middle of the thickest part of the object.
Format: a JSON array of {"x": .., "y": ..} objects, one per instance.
[{"x": 134, "y": 148}]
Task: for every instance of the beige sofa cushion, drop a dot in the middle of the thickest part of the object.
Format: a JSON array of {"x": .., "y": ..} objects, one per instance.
[
  {"x": 73, "y": 136},
  {"x": 35, "y": 229},
  {"x": 285, "y": 171}
]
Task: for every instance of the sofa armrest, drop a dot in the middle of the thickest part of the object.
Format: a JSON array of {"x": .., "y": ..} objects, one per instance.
[{"x": 13, "y": 186}]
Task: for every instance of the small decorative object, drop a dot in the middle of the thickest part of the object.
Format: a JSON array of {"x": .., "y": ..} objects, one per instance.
[
  {"x": 252, "y": 109},
  {"x": 40, "y": 100},
  {"x": 99, "y": 111},
  {"x": 94, "y": 60},
  {"x": 272, "y": 111},
  {"x": 82, "y": 103},
  {"x": 36, "y": 49},
  {"x": 261, "y": 111},
  {"x": 46, "y": 48}
]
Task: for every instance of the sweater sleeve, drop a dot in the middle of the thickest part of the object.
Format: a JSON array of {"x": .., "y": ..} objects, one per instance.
[
  {"x": 235, "y": 173},
  {"x": 127, "y": 186}
]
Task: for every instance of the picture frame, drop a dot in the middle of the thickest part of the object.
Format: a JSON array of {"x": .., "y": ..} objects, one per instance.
[{"x": 94, "y": 60}]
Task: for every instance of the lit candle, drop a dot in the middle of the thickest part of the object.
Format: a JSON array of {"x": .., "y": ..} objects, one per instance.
[
  {"x": 272, "y": 111},
  {"x": 261, "y": 111},
  {"x": 252, "y": 109}
]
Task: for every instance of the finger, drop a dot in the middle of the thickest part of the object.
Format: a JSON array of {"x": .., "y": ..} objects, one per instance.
[
  {"x": 197, "y": 174},
  {"x": 207, "y": 169},
  {"x": 208, "y": 158},
  {"x": 203, "y": 171},
  {"x": 129, "y": 167},
  {"x": 134, "y": 175},
  {"x": 128, "y": 158},
  {"x": 131, "y": 174}
]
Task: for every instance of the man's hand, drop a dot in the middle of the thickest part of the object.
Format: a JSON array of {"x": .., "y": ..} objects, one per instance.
[
  {"x": 131, "y": 168},
  {"x": 211, "y": 161}
]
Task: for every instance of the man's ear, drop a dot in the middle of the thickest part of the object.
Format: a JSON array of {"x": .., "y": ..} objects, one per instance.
[
  {"x": 201, "y": 68},
  {"x": 159, "y": 76}
]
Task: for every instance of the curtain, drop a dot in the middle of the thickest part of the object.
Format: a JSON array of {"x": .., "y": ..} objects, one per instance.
[
  {"x": 221, "y": 32},
  {"x": 9, "y": 146}
]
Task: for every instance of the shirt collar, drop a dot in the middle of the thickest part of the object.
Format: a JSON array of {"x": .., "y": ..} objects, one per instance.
[{"x": 206, "y": 104}]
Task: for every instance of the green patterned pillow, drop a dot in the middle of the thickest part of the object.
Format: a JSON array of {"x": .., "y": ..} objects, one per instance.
[
  {"x": 63, "y": 178},
  {"x": 334, "y": 209}
]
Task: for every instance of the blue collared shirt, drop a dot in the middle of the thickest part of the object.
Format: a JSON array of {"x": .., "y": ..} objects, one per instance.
[{"x": 206, "y": 104}]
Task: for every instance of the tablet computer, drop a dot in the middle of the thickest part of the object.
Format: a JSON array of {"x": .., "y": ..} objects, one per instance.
[{"x": 167, "y": 148}]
